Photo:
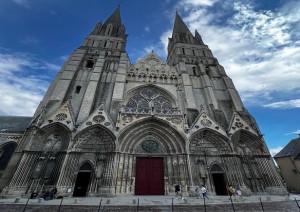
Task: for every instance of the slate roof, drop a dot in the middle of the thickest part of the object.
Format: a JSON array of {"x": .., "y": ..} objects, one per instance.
[
  {"x": 291, "y": 149},
  {"x": 14, "y": 123}
]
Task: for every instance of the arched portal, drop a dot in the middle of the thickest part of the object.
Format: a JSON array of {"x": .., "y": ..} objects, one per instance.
[
  {"x": 154, "y": 151},
  {"x": 218, "y": 178},
  {"x": 83, "y": 180},
  {"x": 5, "y": 154}
]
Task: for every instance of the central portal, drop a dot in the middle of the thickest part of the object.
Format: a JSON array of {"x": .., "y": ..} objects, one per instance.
[{"x": 149, "y": 179}]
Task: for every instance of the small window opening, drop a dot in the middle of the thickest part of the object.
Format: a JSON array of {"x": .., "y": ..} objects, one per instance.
[
  {"x": 78, "y": 88},
  {"x": 203, "y": 53},
  {"x": 105, "y": 43},
  {"x": 193, "y": 52},
  {"x": 89, "y": 64},
  {"x": 109, "y": 29},
  {"x": 194, "y": 70},
  {"x": 183, "y": 52}
]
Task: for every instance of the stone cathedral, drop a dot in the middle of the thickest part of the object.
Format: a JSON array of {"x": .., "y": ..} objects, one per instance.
[{"x": 107, "y": 126}]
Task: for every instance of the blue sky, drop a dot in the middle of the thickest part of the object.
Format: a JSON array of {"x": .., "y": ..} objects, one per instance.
[{"x": 257, "y": 41}]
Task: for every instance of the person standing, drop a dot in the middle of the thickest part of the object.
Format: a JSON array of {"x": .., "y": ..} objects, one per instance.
[
  {"x": 239, "y": 193},
  {"x": 204, "y": 192},
  {"x": 231, "y": 191},
  {"x": 177, "y": 191}
]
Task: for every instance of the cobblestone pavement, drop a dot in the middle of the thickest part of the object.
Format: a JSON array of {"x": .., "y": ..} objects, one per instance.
[
  {"x": 283, "y": 206},
  {"x": 154, "y": 203}
]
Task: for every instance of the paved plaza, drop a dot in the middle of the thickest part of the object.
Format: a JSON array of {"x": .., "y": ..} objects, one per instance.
[{"x": 154, "y": 203}]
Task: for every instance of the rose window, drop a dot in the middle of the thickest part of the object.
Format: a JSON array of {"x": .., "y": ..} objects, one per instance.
[
  {"x": 61, "y": 117},
  {"x": 147, "y": 100}
]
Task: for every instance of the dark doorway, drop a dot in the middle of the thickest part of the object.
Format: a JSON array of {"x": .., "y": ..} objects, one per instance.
[
  {"x": 82, "y": 184},
  {"x": 82, "y": 180},
  {"x": 219, "y": 182},
  {"x": 149, "y": 178},
  {"x": 217, "y": 174}
]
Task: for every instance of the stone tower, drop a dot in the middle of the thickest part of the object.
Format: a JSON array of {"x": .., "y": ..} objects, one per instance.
[{"x": 109, "y": 127}]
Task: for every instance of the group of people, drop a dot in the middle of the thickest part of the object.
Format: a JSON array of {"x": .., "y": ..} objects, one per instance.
[
  {"x": 45, "y": 195},
  {"x": 202, "y": 192},
  {"x": 233, "y": 192}
]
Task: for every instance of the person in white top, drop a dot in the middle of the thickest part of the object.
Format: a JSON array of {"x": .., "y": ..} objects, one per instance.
[
  {"x": 239, "y": 193},
  {"x": 204, "y": 192}
]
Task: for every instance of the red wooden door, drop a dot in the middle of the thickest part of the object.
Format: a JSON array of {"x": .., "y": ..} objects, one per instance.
[{"x": 149, "y": 179}]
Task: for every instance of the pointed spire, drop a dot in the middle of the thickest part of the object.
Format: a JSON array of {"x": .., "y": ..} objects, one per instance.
[
  {"x": 115, "y": 18},
  {"x": 179, "y": 25},
  {"x": 198, "y": 37},
  {"x": 113, "y": 25}
]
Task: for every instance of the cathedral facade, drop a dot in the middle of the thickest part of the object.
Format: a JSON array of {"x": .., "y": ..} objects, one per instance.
[{"x": 109, "y": 127}]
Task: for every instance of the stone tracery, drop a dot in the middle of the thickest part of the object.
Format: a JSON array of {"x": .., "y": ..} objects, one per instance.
[{"x": 149, "y": 100}]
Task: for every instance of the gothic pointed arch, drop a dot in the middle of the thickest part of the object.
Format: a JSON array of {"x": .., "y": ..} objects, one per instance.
[
  {"x": 216, "y": 167},
  {"x": 86, "y": 165},
  {"x": 54, "y": 137},
  {"x": 208, "y": 141},
  {"x": 6, "y": 151},
  {"x": 247, "y": 143},
  {"x": 152, "y": 136},
  {"x": 95, "y": 139}
]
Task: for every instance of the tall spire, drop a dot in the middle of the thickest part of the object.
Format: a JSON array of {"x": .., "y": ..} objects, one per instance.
[
  {"x": 179, "y": 25},
  {"x": 112, "y": 26},
  {"x": 115, "y": 18}
]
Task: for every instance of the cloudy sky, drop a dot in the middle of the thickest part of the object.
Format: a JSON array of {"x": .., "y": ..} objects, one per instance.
[{"x": 257, "y": 41}]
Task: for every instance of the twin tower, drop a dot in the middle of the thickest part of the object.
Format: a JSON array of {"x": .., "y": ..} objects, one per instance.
[{"x": 109, "y": 127}]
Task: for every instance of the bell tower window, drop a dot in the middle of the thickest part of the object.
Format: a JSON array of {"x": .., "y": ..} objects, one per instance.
[
  {"x": 108, "y": 29},
  {"x": 89, "y": 64}
]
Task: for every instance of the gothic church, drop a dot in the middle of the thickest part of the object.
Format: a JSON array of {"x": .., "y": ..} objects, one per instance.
[{"x": 109, "y": 127}]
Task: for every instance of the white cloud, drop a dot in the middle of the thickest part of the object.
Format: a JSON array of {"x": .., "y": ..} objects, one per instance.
[
  {"x": 295, "y": 103},
  {"x": 24, "y": 3},
  {"x": 258, "y": 48},
  {"x": 188, "y": 3},
  {"x": 23, "y": 82},
  {"x": 147, "y": 29},
  {"x": 275, "y": 150},
  {"x": 296, "y": 132}
]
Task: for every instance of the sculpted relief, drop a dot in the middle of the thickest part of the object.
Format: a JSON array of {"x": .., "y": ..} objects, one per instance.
[{"x": 95, "y": 140}]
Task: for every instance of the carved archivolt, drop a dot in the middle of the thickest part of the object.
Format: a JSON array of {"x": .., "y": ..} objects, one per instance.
[
  {"x": 151, "y": 136},
  {"x": 52, "y": 138},
  {"x": 95, "y": 140},
  {"x": 248, "y": 143},
  {"x": 209, "y": 142}
]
